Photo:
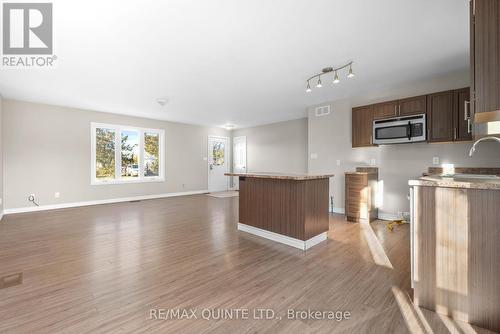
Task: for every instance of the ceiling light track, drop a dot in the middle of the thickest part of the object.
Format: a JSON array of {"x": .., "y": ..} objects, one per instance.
[{"x": 327, "y": 70}]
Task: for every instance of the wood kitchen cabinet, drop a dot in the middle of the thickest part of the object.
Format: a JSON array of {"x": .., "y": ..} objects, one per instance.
[
  {"x": 440, "y": 117},
  {"x": 362, "y": 125},
  {"x": 412, "y": 106},
  {"x": 385, "y": 110},
  {"x": 360, "y": 193},
  {"x": 485, "y": 61},
  {"x": 446, "y": 119},
  {"x": 405, "y": 107}
]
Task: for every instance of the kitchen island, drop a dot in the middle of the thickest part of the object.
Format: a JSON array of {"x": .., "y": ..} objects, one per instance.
[
  {"x": 287, "y": 208},
  {"x": 455, "y": 247}
]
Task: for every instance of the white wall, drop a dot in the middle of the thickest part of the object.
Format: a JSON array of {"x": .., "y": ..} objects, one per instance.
[
  {"x": 277, "y": 147},
  {"x": 47, "y": 150},
  {"x": 330, "y": 137}
]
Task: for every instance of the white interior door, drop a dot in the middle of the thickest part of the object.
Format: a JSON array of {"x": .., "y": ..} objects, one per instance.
[
  {"x": 239, "y": 157},
  {"x": 218, "y": 163}
]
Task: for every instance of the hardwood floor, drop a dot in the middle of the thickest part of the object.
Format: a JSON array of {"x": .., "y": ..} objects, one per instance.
[{"x": 101, "y": 269}]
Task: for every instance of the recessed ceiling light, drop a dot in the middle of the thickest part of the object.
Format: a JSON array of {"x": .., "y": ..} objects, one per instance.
[
  {"x": 228, "y": 126},
  {"x": 162, "y": 101}
]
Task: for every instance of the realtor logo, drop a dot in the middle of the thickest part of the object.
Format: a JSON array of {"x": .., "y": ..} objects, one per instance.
[
  {"x": 27, "y": 28},
  {"x": 27, "y": 35}
]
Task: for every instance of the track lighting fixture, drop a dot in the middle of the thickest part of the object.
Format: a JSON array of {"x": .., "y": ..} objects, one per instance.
[{"x": 326, "y": 70}]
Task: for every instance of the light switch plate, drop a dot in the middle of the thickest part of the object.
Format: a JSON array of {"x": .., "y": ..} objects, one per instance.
[
  {"x": 57, "y": 194},
  {"x": 338, "y": 162},
  {"x": 314, "y": 156},
  {"x": 373, "y": 162},
  {"x": 205, "y": 158},
  {"x": 435, "y": 160}
]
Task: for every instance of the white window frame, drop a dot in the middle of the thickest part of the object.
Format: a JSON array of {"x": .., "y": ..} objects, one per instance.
[{"x": 118, "y": 135}]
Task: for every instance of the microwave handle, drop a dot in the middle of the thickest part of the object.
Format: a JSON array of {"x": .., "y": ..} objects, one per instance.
[{"x": 408, "y": 130}]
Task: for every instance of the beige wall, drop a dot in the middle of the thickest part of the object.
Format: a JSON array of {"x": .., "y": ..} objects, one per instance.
[
  {"x": 47, "y": 150},
  {"x": 277, "y": 147},
  {"x": 330, "y": 138}
]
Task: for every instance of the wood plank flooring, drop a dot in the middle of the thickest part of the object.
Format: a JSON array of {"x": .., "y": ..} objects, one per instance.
[{"x": 101, "y": 269}]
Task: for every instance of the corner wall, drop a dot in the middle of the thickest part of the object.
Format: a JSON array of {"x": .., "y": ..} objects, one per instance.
[
  {"x": 47, "y": 150},
  {"x": 278, "y": 147}
]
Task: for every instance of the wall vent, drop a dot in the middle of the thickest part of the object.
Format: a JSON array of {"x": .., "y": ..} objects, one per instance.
[{"x": 323, "y": 110}]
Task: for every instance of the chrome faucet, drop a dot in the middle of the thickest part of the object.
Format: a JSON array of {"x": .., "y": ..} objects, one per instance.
[{"x": 473, "y": 148}]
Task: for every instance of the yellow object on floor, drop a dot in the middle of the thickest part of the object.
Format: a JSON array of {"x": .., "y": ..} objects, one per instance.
[{"x": 390, "y": 225}]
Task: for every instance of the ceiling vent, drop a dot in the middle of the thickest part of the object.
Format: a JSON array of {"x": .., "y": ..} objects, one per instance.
[{"x": 323, "y": 110}]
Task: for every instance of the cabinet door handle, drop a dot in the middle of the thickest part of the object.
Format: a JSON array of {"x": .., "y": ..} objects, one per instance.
[
  {"x": 399, "y": 110},
  {"x": 469, "y": 125},
  {"x": 455, "y": 133},
  {"x": 466, "y": 110},
  {"x": 395, "y": 110}
]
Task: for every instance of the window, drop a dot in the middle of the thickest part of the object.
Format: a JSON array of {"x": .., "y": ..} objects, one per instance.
[
  {"x": 123, "y": 154},
  {"x": 218, "y": 154}
]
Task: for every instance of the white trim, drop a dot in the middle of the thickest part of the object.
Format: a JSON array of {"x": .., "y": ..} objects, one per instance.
[
  {"x": 337, "y": 210},
  {"x": 118, "y": 130},
  {"x": 388, "y": 216},
  {"x": 98, "y": 202},
  {"x": 297, "y": 243},
  {"x": 1, "y": 215}
]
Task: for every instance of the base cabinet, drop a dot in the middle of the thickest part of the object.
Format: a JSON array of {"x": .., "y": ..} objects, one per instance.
[{"x": 455, "y": 253}]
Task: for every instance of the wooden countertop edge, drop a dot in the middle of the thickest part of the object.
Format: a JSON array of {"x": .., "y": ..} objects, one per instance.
[{"x": 282, "y": 177}]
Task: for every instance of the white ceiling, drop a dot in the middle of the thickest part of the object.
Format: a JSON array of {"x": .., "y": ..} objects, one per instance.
[{"x": 243, "y": 62}]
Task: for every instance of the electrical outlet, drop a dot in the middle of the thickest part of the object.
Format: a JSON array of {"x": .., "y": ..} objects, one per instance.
[
  {"x": 57, "y": 194},
  {"x": 183, "y": 185},
  {"x": 205, "y": 158},
  {"x": 373, "y": 162},
  {"x": 314, "y": 156},
  {"x": 435, "y": 160},
  {"x": 338, "y": 162}
]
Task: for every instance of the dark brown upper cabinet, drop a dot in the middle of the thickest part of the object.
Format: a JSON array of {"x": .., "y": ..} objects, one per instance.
[
  {"x": 461, "y": 121},
  {"x": 485, "y": 61},
  {"x": 385, "y": 110},
  {"x": 405, "y": 107},
  {"x": 440, "y": 117},
  {"x": 412, "y": 106},
  {"x": 362, "y": 124}
]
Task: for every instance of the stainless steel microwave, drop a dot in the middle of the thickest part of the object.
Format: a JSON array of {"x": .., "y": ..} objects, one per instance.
[{"x": 399, "y": 130}]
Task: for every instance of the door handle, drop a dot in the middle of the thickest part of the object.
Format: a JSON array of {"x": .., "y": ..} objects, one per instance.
[{"x": 466, "y": 110}]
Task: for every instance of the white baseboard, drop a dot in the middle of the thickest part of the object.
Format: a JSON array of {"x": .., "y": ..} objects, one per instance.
[
  {"x": 297, "y": 243},
  {"x": 102, "y": 201},
  {"x": 382, "y": 216},
  {"x": 337, "y": 210},
  {"x": 388, "y": 216}
]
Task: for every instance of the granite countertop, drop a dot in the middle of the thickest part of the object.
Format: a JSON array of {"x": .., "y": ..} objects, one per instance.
[
  {"x": 281, "y": 176},
  {"x": 451, "y": 182}
]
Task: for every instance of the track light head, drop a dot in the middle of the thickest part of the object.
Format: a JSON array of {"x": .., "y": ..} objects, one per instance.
[
  {"x": 319, "y": 85},
  {"x": 336, "y": 79},
  {"x": 308, "y": 89},
  {"x": 350, "y": 74}
]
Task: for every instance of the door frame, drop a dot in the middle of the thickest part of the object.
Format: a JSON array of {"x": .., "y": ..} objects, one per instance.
[
  {"x": 228, "y": 161},
  {"x": 235, "y": 179}
]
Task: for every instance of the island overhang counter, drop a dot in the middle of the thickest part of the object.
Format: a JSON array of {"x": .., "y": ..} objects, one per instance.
[{"x": 287, "y": 208}]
